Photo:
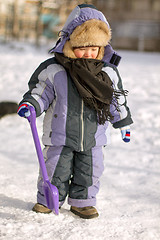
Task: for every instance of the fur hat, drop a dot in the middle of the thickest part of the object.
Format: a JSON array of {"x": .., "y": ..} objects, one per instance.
[{"x": 93, "y": 32}]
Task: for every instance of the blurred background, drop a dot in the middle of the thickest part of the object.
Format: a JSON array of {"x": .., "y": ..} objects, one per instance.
[{"x": 135, "y": 23}]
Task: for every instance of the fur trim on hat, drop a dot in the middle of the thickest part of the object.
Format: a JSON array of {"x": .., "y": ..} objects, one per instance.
[
  {"x": 68, "y": 50},
  {"x": 91, "y": 33}
]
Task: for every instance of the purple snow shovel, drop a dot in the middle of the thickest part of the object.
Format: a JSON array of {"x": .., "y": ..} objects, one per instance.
[{"x": 50, "y": 191}]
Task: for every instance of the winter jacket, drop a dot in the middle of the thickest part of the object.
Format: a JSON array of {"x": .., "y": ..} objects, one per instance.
[{"x": 67, "y": 120}]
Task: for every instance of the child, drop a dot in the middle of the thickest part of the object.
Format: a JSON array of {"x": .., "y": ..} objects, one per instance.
[{"x": 80, "y": 91}]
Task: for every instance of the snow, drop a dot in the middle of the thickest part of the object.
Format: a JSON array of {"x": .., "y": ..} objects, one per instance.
[{"x": 129, "y": 199}]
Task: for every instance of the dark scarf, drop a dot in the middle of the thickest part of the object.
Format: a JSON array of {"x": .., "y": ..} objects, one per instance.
[{"x": 93, "y": 84}]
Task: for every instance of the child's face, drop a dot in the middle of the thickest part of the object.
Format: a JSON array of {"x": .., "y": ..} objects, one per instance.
[{"x": 86, "y": 52}]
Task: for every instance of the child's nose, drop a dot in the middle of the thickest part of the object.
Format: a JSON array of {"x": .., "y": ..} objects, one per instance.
[{"x": 87, "y": 53}]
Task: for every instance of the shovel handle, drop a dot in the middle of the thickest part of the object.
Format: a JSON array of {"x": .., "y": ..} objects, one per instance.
[{"x": 32, "y": 121}]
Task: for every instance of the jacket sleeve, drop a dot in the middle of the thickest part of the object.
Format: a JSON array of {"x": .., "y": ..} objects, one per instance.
[
  {"x": 123, "y": 116},
  {"x": 41, "y": 90}
]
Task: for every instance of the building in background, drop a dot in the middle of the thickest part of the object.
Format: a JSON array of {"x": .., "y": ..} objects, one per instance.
[{"x": 135, "y": 24}]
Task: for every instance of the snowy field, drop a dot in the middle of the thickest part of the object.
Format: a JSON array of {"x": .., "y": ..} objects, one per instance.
[{"x": 129, "y": 197}]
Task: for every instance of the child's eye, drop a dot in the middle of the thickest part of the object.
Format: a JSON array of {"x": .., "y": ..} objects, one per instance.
[{"x": 94, "y": 49}]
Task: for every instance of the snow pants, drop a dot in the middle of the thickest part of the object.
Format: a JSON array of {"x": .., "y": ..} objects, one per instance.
[{"x": 75, "y": 174}]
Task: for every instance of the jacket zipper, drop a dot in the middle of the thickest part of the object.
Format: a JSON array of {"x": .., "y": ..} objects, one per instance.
[{"x": 82, "y": 125}]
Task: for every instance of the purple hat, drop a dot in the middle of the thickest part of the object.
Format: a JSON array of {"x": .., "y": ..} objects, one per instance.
[{"x": 77, "y": 17}]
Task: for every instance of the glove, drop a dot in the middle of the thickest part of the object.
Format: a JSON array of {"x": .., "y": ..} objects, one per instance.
[
  {"x": 23, "y": 110},
  {"x": 125, "y": 132}
]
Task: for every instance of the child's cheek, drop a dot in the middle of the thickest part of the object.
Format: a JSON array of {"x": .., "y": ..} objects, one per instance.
[
  {"x": 94, "y": 55},
  {"x": 78, "y": 54}
]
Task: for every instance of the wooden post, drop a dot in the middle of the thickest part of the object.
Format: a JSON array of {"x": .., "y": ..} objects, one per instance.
[
  {"x": 15, "y": 30},
  {"x": 38, "y": 23}
]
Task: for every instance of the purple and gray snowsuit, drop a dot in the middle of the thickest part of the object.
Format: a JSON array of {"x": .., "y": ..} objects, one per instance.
[{"x": 72, "y": 137}]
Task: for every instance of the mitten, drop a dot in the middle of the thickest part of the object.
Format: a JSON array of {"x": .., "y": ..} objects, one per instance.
[
  {"x": 125, "y": 131},
  {"x": 23, "y": 110}
]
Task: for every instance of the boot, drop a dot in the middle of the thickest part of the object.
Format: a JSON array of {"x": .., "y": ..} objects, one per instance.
[
  {"x": 85, "y": 212},
  {"x": 39, "y": 208}
]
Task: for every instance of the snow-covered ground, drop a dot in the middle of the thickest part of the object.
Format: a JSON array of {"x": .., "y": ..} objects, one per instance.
[{"x": 129, "y": 197}]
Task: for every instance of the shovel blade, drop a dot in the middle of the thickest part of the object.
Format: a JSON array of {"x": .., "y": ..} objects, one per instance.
[{"x": 51, "y": 196}]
